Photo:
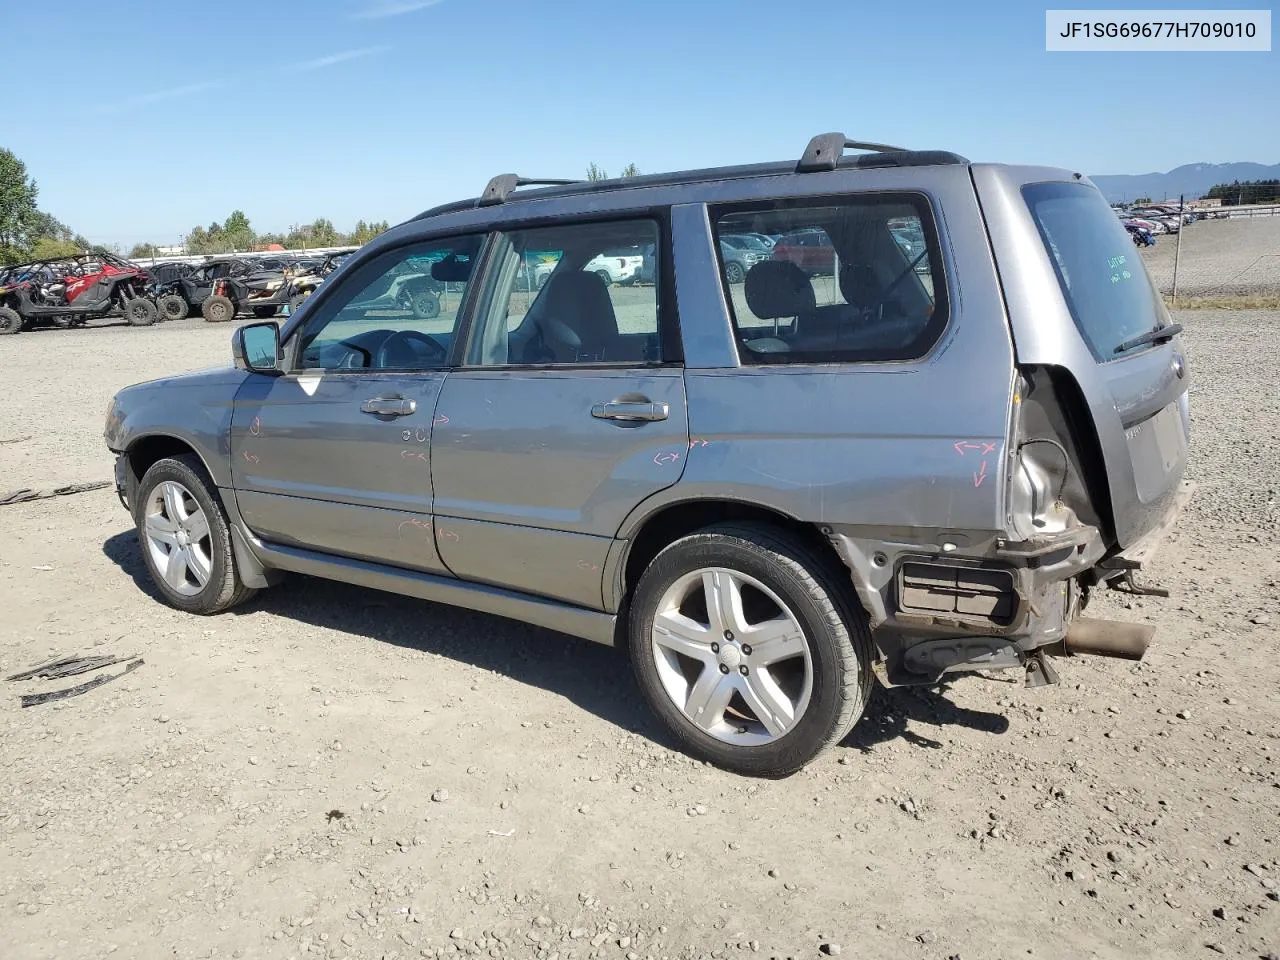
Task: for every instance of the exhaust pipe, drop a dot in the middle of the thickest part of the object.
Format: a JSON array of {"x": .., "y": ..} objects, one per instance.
[{"x": 1108, "y": 638}]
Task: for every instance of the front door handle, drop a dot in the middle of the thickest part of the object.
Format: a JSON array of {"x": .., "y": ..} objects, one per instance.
[
  {"x": 388, "y": 406},
  {"x": 630, "y": 410}
]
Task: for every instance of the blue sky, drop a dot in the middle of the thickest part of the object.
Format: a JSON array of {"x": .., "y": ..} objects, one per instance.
[{"x": 140, "y": 120}]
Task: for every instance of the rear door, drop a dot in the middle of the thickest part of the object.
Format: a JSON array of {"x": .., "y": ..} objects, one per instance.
[
  {"x": 1080, "y": 299},
  {"x": 569, "y": 411}
]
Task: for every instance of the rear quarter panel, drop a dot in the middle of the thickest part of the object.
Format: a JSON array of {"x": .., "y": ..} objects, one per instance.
[{"x": 916, "y": 445}]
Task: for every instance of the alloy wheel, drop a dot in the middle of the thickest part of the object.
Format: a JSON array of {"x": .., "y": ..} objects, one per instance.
[
  {"x": 731, "y": 656},
  {"x": 178, "y": 538}
]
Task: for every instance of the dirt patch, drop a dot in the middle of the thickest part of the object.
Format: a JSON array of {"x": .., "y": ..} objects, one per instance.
[{"x": 334, "y": 772}]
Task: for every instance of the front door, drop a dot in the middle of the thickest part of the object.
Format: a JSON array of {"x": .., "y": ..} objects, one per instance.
[
  {"x": 336, "y": 454},
  {"x": 569, "y": 411}
]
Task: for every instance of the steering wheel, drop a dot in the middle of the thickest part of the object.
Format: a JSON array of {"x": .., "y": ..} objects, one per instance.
[{"x": 401, "y": 350}]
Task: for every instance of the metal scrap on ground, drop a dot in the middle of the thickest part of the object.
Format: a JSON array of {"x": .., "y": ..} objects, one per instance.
[
  {"x": 25, "y": 494},
  {"x": 69, "y": 667}
]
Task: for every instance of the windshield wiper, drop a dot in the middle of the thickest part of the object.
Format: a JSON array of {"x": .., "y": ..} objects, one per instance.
[{"x": 1158, "y": 335}]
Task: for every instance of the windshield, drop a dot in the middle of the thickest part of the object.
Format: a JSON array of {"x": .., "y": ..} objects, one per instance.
[{"x": 1102, "y": 277}]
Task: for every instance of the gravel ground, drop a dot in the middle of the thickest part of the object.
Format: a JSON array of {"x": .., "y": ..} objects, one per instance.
[
  {"x": 1220, "y": 258},
  {"x": 333, "y": 772}
]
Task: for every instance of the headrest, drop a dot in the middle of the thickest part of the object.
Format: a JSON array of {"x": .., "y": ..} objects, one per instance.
[{"x": 778, "y": 288}]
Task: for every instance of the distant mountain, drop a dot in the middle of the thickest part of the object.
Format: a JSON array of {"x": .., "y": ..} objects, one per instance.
[{"x": 1193, "y": 180}]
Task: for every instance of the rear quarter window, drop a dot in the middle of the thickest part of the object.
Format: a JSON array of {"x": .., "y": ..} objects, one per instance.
[
  {"x": 1103, "y": 280},
  {"x": 852, "y": 279}
]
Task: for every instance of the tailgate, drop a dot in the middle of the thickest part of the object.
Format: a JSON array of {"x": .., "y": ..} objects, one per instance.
[{"x": 1080, "y": 300}]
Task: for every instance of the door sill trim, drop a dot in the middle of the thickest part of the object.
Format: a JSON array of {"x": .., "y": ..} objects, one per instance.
[{"x": 576, "y": 621}]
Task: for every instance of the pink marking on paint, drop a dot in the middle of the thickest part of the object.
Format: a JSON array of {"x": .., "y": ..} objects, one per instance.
[
  {"x": 441, "y": 419},
  {"x": 420, "y": 524},
  {"x": 963, "y": 445},
  {"x": 255, "y": 428},
  {"x": 695, "y": 442},
  {"x": 988, "y": 448},
  {"x": 980, "y": 475},
  {"x": 449, "y": 535},
  {"x": 249, "y": 457},
  {"x": 669, "y": 457}
]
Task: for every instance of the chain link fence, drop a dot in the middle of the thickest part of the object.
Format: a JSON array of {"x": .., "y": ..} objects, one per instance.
[{"x": 1233, "y": 261}]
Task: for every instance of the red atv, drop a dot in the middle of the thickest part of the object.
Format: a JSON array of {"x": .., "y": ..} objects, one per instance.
[{"x": 71, "y": 290}]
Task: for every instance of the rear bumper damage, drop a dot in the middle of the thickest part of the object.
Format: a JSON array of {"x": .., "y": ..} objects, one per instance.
[{"x": 1001, "y": 604}]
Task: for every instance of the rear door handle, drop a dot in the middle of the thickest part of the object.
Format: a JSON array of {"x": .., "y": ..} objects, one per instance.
[
  {"x": 631, "y": 410},
  {"x": 388, "y": 406}
]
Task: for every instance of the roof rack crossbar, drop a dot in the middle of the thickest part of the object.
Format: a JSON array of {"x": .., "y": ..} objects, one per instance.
[
  {"x": 500, "y": 187},
  {"x": 824, "y": 151}
]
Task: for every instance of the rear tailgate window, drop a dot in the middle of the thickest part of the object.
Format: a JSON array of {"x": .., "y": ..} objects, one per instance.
[{"x": 1103, "y": 279}]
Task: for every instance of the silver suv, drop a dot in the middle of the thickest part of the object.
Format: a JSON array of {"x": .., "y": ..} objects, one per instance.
[{"x": 869, "y": 459}]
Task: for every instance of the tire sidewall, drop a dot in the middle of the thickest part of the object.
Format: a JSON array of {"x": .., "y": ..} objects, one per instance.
[
  {"x": 828, "y": 649},
  {"x": 10, "y": 321},
  {"x": 139, "y": 312},
  {"x": 179, "y": 310},
  {"x": 219, "y": 535},
  {"x": 218, "y": 303}
]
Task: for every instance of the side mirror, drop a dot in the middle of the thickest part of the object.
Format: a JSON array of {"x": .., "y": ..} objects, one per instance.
[{"x": 256, "y": 347}]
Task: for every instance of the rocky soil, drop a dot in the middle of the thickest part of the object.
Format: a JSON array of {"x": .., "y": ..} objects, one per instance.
[{"x": 337, "y": 773}]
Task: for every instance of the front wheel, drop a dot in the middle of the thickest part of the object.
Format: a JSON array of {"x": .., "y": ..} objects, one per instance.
[
  {"x": 734, "y": 273},
  {"x": 604, "y": 275},
  {"x": 748, "y": 644},
  {"x": 10, "y": 321},
  {"x": 185, "y": 538},
  {"x": 172, "y": 306},
  {"x": 140, "y": 312}
]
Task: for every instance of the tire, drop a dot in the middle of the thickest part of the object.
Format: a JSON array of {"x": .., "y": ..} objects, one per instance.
[
  {"x": 172, "y": 306},
  {"x": 425, "y": 305},
  {"x": 140, "y": 312},
  {"x": 296, "y": 302},
  {"x": 604, "y": 275},
  {"x": 734, "y": 273},
  {"x": 10, "y": 321},
  {"x": 265, "y": 313},
  {"x": 184, "y": 478},
  {"x": 217, "y": 309},
  {"x": 828, "y": 684}
]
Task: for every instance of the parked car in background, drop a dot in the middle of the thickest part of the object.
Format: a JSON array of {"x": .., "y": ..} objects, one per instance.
[
  {"x": 617, "y": 266},
  {"x": 810, "y": 250},
  {"x": 1142, "y": 237},
  {"x": 739, "y": 259}
]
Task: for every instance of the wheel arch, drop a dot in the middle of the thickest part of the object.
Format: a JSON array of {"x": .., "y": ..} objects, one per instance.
[
  {"x": 145, "y": 451},
  {"x": 665, "y": 523}
]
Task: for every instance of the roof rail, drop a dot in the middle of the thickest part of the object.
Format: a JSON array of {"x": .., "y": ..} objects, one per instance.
[
  {"x": 500, "y": 187},
  {"x": 824, "y": 151}
]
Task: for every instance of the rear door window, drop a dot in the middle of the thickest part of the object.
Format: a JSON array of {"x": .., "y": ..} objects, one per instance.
[{"x": 1103, "y": 279}]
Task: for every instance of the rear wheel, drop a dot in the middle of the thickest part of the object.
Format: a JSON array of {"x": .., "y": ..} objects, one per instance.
[
  {"x": 10, "y": 321},
  {"x": 733, "y": 272},
  {"x": 218, "y": 309},
  {"x": 425, "y": 305},
  {"x": 185, "y": 538},
  {"x": 604, "y": 275},
  {"x": 172, "y": 306},
  {"x": 296, "y": 302},
  {"x": 140, "y": 312},
  {"x": 748, "y": 645}
]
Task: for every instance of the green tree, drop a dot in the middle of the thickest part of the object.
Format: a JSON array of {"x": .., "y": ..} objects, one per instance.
[
  {"x": 630, "y": 170},
  {"x": 595, "y": 172},
  {"x": 18, "y": 212},
  {"x": 47, "y": 248},
  {"x": 143, "y": 250},
  {"x": 237, "y": 234},
  {"x": 364, "y": 232}
]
